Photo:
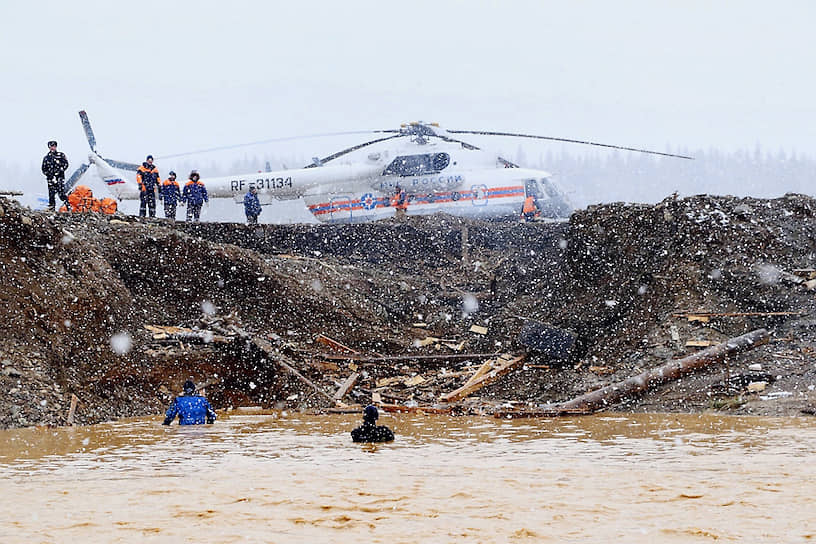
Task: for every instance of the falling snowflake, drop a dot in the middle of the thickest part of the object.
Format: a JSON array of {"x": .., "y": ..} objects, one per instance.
[{"x": 121, "y": 343}]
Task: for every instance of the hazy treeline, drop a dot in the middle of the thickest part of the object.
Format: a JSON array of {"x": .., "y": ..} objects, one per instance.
[
  {"x": 587, "y": 177},
  {"x": 635, "y": 177}
]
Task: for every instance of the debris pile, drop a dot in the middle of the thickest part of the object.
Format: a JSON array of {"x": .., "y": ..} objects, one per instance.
[{"x": 435, "y": 314}]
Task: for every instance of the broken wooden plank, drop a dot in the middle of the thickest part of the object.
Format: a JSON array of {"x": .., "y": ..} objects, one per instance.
[
  {"x": 346, "y": 387},
  {"x": 478, "y": 329},
  {"x": 611, "y": 394},
  {"x": 326, "y": 341},
  {"x": 500, "y": 370},
  {"x": 700, "y": 343},
  {"x": 481, "y": 371}
]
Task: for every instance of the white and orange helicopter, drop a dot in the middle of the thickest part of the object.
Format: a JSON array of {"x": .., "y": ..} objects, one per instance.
[{"x": 438, "y": 172}]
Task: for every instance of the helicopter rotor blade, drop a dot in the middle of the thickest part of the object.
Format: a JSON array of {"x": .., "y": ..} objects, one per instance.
[
  {"x": 86, "y": 124},
  {"x": 270, "y": 140},
  {"x": 333, "y": 156},
  {"x": 75, "y": 177},
  {"x": 123, "y": 165},
  {"x": 552, "y": 138}
]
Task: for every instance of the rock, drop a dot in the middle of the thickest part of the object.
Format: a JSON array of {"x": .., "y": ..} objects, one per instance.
[
  {"x": 11, "y": 372},
  {"x": 756, "y": 367},
  {"x": 756, "y": 387}
]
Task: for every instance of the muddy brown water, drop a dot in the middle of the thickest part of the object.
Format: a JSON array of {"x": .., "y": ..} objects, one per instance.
[{"x": 280, "y": 477}]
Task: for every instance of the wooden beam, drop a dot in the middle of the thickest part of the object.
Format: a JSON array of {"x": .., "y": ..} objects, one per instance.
[
  {"x": 500, "y": 370},
  {"x": 347, "y": 385}
]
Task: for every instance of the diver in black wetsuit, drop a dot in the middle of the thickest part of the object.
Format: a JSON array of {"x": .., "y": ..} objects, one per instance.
[{"x": 369, "y": 431}]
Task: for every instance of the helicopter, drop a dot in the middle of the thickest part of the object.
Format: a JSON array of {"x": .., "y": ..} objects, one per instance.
[{"x": 436, "y": 170}]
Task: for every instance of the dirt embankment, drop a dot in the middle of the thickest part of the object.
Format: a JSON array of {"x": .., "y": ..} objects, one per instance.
[{"x": 78, "y": 292}]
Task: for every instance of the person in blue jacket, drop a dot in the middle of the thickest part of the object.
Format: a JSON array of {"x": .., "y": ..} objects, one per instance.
[
  {"x": 194, "y": 195},
  {"x": 190, "y": 408},
  {"x": 170, "y": 194},
  {"x": 252, "y": 206}
]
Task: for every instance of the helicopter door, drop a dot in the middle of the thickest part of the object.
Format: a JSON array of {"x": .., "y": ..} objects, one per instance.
[
  {"x": 479, "y": 195},
  {"x": 340, "y": 208},
  {"x": 531, "y": 188}
]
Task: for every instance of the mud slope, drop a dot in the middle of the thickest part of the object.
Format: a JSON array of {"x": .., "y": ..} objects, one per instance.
[{"x": 78, "y": 292}]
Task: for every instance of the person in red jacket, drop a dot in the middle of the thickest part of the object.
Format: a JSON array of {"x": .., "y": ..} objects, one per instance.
[{"x": 147, "y": 176}]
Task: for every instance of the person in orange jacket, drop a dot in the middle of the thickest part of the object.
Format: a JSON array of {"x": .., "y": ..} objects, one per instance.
[
  {"x": 530, "y": 209},
  {"x": 147, "y": 176},
  {"x": 400, "y": 202}
]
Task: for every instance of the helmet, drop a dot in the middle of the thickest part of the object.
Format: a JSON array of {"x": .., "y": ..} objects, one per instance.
[{"x": 370, "y": 414}]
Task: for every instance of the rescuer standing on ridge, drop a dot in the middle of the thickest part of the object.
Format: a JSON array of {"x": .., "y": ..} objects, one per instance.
[
  {"x": 190, "y": 408},
  {"x": 252, "y": 206},
  {"x": 54, "y": 165},
  {"x": 194, "y": 195},
  {"x": 170, "y": 194},
  {"x": 147, "y": 176}
]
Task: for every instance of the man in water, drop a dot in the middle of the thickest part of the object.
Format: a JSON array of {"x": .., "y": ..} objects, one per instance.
[
  {"x": 369, "y": 431},
  {"x": 192, "y": 409}
]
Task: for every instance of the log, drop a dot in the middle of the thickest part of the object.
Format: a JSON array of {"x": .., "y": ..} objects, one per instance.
[
  {"x": 348, "y": 384},
  {"x": 503, "y": 367},
  {"x": 611, "y": 394}
]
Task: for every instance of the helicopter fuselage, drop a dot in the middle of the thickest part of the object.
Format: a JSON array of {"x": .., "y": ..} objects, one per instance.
[{"x": 437, "y": 177}]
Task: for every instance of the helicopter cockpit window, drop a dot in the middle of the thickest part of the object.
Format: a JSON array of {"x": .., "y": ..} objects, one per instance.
[{"x": 417, "y": 165}]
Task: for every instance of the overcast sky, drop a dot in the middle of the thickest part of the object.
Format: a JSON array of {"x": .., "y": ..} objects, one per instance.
[{"x": 163, "y": 77}]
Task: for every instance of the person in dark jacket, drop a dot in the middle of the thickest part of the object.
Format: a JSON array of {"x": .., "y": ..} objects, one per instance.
[
  {"x": 170, "y": 194},
  {"x": 147, "y": 176},
  {"x": 252, "y": 206},
  {"x": 369, "y": 431},
  {"x": 190, "y": 408},
  {"x": 194, "y": 195},
  {"x": 54, "y": 165}
]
